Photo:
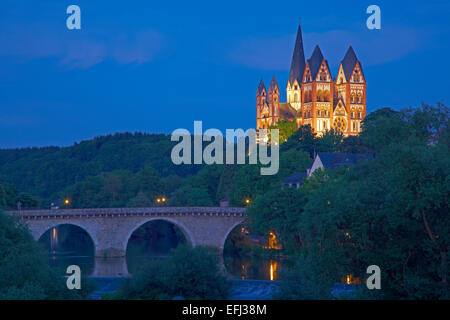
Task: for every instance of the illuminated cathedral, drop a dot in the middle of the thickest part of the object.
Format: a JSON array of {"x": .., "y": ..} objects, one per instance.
[{"x": 313, "y": 97}]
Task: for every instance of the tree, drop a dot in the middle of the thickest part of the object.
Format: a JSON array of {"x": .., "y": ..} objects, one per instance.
[
  {"x": 286, "y": 129},
  {"x": 329, "y": 141},
  {"x": 391, "y": 211},
  {"x": 27, "y": 200},
  {"x": 303, "y": 139},
  {"x": 192, "y": 273},
  {"x": 2, "y": 197},
  {"x": 24, "y": 272},
  {"x": 278, "y": 211},
  {"x": 293, "y": 161}
]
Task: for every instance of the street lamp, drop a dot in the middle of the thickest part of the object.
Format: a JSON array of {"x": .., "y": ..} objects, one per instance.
[
  {"x": 66, "y": 202},
  {"x": 247, "y": 201},
  {"x": 161, "y": 200}
]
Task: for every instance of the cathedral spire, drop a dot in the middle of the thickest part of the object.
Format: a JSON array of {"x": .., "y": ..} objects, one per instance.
[
  {"x": 349, "y": 62},
  {"x": 261, "y": 87},
  {"x": 315, "y": 61},
  {"x": 298, "y": 59},
  {"x": 273, "y": 85}
]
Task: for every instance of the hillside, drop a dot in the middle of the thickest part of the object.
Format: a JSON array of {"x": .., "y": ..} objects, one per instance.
[{"x": 44, "y": 172}]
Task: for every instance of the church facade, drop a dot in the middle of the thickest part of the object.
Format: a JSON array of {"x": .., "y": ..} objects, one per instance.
[{"x": 314, "y": 97}]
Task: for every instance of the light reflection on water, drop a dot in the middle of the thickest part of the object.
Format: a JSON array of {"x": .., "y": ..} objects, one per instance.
[
  {"x": 237, "y": 267},
  {"x": 70, "y": 245}
]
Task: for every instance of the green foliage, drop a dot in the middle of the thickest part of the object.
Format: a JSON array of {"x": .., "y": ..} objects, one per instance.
[
  {"x": 116, "y": 189},
  {"x": 278, "y": 211},
  {"x": 27, "y": 200},
  {"x": 2, "y": 197},
  {"x": 391, "y": 211},
  {"x": 286, "y": 129},
  {"x": 24, "y": 271},
  {"x": 395, "y": 209},
  {"x": 308, "y": 280},
  {"x": 45, "y": 172},
  {"x": 192, "y": 273}
]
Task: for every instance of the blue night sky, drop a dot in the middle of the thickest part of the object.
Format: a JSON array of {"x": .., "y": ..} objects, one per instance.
[{"x": 155, "y": 66}]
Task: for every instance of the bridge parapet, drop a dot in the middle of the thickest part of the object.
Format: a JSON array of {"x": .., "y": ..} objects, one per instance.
[{"x": 148, "y": 211}]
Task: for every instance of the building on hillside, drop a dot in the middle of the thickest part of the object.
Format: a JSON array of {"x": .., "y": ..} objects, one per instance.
[
  {"x": 336, "y": 160},
  {"x": 325, "y": 161},
  {"x": 313, "y": 97},
  {"x": 295, "y": 180}
]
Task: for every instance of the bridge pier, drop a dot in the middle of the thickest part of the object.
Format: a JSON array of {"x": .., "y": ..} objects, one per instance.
[{"x": 110, "y": 267}]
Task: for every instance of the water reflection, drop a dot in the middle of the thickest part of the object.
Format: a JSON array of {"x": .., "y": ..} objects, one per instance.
[
  {"x": 68, "y": 244},
  {"x": 248, "y": 267}
]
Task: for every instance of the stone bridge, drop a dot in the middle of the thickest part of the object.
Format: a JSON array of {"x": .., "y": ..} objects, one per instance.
[{"x": 110, "y": 228}]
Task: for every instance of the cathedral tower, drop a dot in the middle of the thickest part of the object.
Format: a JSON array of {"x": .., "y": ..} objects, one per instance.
[
  {"x": 274, "y": 102},
  {"x": 293, "y": 88},
  {"x": 317, "y": 93},
  {"x": 350, "y": 95},
  {"x": 262, "y": 107}
]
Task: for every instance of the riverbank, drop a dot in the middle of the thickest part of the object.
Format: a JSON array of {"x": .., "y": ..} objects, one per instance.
[{"x": 240, "y": 289}]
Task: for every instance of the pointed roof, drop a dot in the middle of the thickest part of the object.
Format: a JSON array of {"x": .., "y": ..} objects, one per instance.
[
  {"x": 315, "y": 62},
  {"x": 336, "y": 102},
  {"x": 298, "y": 59},
  {"x": 273, "y": 84},
  {"x": 336, "y": 160},
  {"x": 261, "y": 87},
  {"x": 349, "y": 62}
]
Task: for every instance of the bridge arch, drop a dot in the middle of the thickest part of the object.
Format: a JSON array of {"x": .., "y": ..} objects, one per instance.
[
  {"x": 37, "y": 234},
  {"x": 179, "y": 224},
  {"x": 233, "y": 226}
]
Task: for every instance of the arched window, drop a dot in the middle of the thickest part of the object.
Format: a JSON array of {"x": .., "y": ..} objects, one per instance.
[
  {"x": 326, "y": 96},
  {"x": 319, "y": 95},
  {"x": 356, "y": 76},
  {"x": 323, "y": 75},
  {"x": 296, "y": 97},
  {"x": 359, "y": 97}
]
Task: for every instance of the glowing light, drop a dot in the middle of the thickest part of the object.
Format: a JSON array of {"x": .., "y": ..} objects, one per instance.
[
  {"x": 273, "y": 242},
  {"x": 347, "y": 235},
  {"x": 273, "y": 270},
  {"x": 247, "y": 201},
  {"x": 349, "y": 279},
  {"x": 66, "y": 201},
  {"x": 53, "y": 239}
]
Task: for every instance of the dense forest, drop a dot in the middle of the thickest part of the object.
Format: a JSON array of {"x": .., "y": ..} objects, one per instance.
[
  {"x": 128, "y": 169},
  {"x": 392, "y": 211}
]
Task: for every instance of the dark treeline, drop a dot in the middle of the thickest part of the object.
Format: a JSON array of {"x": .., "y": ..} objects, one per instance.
[
  {"x": 133, "y": 169},
  {"x": 127, "y": 169},
  {"x": 392, "y": 211}
]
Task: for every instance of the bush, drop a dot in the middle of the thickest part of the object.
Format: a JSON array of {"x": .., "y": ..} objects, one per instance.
[
  {"x": 192, "y": 273},
  {"x": 24, "y": 271},
  {"x": 307, "y": 281}
]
